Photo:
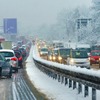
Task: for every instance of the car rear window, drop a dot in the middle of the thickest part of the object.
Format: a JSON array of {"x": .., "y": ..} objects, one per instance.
[{"x": 7, "y": 54}]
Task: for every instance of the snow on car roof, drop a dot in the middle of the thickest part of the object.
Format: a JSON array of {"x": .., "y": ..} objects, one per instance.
[{"x": 9, "y": 50}]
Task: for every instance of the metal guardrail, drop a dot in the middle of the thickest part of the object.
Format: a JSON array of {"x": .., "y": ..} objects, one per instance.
[{"x": 71, "y": 78}]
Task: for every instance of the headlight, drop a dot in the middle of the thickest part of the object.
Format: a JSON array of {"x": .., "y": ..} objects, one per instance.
[
  {"x": 41, "y": 53},
  {"x": 39, "y": 47},
  {"x": 71, "y": 61},
  {"x": 54, "y": 57},
  {"x": 60, "y": 58},
  {"x": 99, "y": 59},
  {"x": 50, "y": 57}
]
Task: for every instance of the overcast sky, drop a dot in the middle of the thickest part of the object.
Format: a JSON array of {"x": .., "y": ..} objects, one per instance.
[{"x": 32, "y": 13}]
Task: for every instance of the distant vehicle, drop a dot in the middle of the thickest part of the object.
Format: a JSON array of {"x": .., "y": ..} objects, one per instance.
[
  {"x": 19, "y": 43},
  {"x": 94, "y": 57},
  {"x": 70, "y": 45},
  {"x": 18, "y": 54},
  {"x": 6, "y": 45},
  {"x": 51, "y": 56},
  {"x": 5, "y": 67},
  {"x": 22, "y": 51},
  {"x": 24, "y": 46},
  {"x": 95, "y": 47},
  {"x": 43, "y": 51},
  {"x": 58, "y": 44},
  {"x": 62, "y": 54},
  {"x": 79, "y": 58},
  {"x": 10, "y": 56}
]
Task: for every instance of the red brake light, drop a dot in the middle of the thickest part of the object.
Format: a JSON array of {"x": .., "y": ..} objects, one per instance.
[
  {"x": 20, "y": 58},
  {"x": 14, "y": 58}
]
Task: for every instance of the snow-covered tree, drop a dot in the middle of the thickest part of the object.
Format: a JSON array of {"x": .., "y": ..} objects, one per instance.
[{"x": 96, "y": 18}]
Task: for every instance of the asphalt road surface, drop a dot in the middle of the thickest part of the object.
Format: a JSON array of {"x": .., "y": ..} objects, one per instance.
[{"x": 15, "y": 88}]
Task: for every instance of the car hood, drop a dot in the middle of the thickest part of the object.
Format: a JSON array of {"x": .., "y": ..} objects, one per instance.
[{"x": 95, "y": 57}]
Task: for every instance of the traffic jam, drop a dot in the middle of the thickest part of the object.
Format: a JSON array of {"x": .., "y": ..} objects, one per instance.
[
  {"x": 12, "y": 57},
  {"x": 80, "y": 55}
]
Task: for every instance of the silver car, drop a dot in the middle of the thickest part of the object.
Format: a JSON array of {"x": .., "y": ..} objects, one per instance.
[{"x": 79, "y": 58}]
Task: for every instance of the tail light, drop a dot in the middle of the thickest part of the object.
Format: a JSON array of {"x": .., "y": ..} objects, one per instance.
[
  {"x": 14, "y": 59},
  {"x": 20, "y": 58}
]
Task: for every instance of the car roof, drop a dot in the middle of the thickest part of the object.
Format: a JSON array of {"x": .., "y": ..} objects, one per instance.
[
  {"x": 7, "y": 50},
  {"x": 95, "y": 51}
]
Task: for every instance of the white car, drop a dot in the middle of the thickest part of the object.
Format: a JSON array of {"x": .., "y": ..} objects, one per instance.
[
  {"x": 10, "y": 56},
  {"x": 43, "y": 52},
  {"x": 79, "y": 58}
]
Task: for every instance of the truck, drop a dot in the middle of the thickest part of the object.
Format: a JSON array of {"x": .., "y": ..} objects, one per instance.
[
  {"x": 6, "y": 45},
  {"x": 84, "y": 47},
  {"x": 57, "y": 44}
]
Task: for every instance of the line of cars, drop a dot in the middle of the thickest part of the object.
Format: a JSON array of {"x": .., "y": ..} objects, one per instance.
[
  {"x": 67, "y": 56},
  {"x": 11, "y": 60},
  {"x": 80, "y": 56}
]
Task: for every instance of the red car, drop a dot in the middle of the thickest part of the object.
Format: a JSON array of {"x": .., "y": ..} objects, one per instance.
[{"x": 95, "y": 57}]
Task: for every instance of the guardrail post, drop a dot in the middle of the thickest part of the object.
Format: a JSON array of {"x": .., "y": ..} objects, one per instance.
[
  {"x": 55, "y": 76},
  {"x": 93, "y": 94},
  {"x": 66, "y": 81},
  {"x": 62, "y": 79},
  {"x": 49, "y": 73},
  {"x": 74, "y": 84},
  {"x": 58, "y": 78},
  {"x": 70, "y": 83},
  {"x": 86, "y": 91},
  {"x": 79, "y": 88}
]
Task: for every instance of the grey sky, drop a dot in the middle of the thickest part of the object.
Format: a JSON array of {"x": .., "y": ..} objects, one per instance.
[{"x": 31, "y": 13}]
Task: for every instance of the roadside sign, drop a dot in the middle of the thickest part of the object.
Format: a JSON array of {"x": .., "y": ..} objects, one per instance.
[{"x": 10, "y": 25}]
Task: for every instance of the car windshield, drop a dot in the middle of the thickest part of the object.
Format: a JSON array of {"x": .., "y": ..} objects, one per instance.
[
  {"x": 64, "y": 52},
  {"x": 7, "y": 54},
  {"x": 95, "y": 53},
  {"x": 44, "y": 49},
  {"x": 86, "y": 49},
  {"x": 79, "y": 54}
]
